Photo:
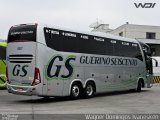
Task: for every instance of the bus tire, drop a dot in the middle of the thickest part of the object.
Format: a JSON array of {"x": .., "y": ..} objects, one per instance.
[
  {"x": 139, "y": 86},
  {"x": 89, "y": 90},
  {"x": 76, "y": 91}
]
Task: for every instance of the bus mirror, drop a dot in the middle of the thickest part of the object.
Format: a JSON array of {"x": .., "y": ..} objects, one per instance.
[
  {"x": 156, "y": 62},
  {"x": 148, "y": 53}
]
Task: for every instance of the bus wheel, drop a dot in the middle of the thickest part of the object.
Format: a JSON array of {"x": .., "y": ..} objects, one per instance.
[
  {"x": 76, "y": 91},
  {"x": 89, "y": 90},
  {"x": 139, "y": 86}
]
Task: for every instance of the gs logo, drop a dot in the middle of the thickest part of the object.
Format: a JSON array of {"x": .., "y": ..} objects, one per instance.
[
  {"x": 19, "y": 70},
  {"x": 56, "y": 64}
]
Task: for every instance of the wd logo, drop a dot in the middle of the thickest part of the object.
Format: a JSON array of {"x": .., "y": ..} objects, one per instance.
[{"x": 145, "y": 5}]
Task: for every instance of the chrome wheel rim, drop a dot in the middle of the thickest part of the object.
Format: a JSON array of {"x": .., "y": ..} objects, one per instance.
[
  {"x": 75, "y": 91},
  {"x": 89, "y": 90}
]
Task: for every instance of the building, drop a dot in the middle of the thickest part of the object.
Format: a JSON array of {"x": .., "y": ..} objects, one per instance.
[{"x": 145, "y": 33}]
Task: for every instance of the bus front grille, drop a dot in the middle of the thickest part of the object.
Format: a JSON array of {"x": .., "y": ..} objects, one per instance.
[{"x": 20, "y": 58}]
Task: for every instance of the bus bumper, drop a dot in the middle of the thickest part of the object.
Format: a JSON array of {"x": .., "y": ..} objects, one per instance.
[{"x": 21, "y": 90}]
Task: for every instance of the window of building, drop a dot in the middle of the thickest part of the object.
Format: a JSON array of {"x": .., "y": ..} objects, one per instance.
[
  {"x": 121, "y": 34},
  {"x": 150, "y": 35}
]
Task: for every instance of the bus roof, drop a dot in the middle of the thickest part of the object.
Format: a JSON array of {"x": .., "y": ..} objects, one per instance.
[
  {"x": 4, "y": 44},
  {"x": 99, "y": 34}
]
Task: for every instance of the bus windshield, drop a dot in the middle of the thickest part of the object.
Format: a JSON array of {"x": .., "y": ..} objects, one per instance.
[{"x": 22, "y": 33}]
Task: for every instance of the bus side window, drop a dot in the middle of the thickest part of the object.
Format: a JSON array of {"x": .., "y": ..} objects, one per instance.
[{"x": 50, "y": 34}]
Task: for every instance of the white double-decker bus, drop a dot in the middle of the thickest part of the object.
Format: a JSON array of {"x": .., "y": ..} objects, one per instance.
[{"x": 48, "y": 61}]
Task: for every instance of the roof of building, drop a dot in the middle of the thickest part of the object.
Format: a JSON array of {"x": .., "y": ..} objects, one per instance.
[{"x": 136, "y": 25}]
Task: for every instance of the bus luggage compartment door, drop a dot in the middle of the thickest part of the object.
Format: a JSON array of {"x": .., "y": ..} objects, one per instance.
[{"x": 52, "y": 86}]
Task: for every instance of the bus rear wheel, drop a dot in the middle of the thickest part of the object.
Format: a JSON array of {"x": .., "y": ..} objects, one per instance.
[
  {"x": 76, "y": 91},
  {"x": 89, "y": 90}
]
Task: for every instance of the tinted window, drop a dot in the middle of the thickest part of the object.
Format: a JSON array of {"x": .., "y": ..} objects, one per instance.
[
  {"x": 74, "y": 42},
  {"x": 127, "y": 49},
  {"x": 81, "y": 43},
  {"x": 22, "y": 32}
]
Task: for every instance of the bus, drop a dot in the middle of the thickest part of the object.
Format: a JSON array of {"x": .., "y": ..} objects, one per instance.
[
  {"x": 156, "y": 69},
  {"x": 3, "y": 64},
  {"x": 51, "y": 61}
]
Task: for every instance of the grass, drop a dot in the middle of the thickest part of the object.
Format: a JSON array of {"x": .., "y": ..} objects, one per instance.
[
  {"x": 4, "y": 44},
  {"x": 2, "y": 70},
  {"x": 2, "y": 67}
]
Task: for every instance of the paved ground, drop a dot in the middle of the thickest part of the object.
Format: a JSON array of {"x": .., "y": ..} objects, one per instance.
[{"x": 146, "y": 102}]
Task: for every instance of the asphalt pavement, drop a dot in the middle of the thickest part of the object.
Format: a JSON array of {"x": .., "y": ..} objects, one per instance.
[{"x": 126, "y": 102}]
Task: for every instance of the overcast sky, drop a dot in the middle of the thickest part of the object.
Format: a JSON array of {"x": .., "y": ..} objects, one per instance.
[{"x": 76, "y": 14}]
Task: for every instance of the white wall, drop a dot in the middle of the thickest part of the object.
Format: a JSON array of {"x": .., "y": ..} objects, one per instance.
[{"x": 137, "y": 31}]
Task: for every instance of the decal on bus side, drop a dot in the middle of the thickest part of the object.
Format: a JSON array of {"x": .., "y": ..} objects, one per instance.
[{"x": 50, "y": 75}]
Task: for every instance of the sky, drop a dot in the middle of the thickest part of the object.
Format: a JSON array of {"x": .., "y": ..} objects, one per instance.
[{"x": 76, "y": 14}]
